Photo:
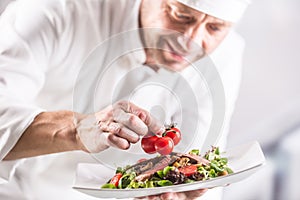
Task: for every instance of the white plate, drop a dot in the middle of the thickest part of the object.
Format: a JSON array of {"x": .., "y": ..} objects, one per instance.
[{"x": 244, "y": 160}]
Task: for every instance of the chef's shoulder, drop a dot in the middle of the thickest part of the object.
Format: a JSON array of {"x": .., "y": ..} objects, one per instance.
[
  {"x": 44, "y": 19},
  {"x": 27, "y": 16}
]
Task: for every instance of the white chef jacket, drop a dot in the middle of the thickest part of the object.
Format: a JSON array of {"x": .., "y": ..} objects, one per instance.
[{"x": 43, "y": 46}]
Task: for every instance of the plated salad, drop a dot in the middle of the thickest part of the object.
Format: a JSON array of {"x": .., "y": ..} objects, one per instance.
[{"x": 172, "y": 169}]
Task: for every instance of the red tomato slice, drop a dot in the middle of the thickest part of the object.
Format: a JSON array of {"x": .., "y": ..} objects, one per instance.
[
  {"x": 141, "y": 160},
  {"x": 115, "y": 180},
  {"x": 188, "y": 170},
  {"x": 164, "y": 145}
]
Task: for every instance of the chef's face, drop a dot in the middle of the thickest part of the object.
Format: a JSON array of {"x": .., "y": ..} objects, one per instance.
[{"x": 181, "y": 35}]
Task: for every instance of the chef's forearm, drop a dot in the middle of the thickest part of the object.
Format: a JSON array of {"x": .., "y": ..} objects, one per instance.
[{"x": 50, "y": 132}]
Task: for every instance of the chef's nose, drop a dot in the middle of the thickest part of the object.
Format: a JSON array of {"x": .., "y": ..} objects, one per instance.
[{"x": 195, "y": 35}]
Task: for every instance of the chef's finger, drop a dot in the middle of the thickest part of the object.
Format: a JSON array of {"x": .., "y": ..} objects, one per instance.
[
  {"x": 123, "y": 132},
  {"x": 152, "y": 197},
  {"x": 154, "y": 125},
  {"x": 118, "y": 142},
  {"x": 151, "y": 122},
  {"x": 193, "y": 194},
  {"x": 169, "y": 196},
  {"x": 131, "y": 121}
]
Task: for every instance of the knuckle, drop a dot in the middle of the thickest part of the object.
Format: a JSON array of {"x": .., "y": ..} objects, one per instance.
[
  {"x": 102, "y": 125},
  {"x": 106, "y": 115},
  {"x": 118, "y": 142},
  {"x": 139, "y": 112},
  {"x": 146, "y": 118},
  {"x": 131, "y": 119},
  {"x": 129, "y": 135},
  {"x": 115, "y": 127}
]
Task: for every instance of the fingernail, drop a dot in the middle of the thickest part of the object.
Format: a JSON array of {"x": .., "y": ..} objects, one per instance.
[{"x": 161, "y": 131}]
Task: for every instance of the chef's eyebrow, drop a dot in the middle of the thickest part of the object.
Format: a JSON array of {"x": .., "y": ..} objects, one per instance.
[
  {"x": 220, "y": 22},
  {"x": 188, "y": 10},
  {"x": 181, "y": 7}
]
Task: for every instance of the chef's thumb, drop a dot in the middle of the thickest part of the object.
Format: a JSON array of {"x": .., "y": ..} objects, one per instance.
[{"x": 154, "y": 125}]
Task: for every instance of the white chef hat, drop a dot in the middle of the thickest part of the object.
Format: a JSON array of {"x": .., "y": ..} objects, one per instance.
[{"x": 228, "y": 10}]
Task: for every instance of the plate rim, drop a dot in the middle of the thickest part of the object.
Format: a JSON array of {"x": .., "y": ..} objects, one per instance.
[{"x": 171, "y": 186}]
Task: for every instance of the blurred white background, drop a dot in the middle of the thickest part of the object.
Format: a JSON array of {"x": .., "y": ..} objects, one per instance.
[
  {"x": 268, "y": 108},
  {"x": 3, "y": 4}
]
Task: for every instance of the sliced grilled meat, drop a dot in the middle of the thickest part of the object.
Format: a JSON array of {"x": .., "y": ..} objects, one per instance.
[{"x": 194, "y": 159}]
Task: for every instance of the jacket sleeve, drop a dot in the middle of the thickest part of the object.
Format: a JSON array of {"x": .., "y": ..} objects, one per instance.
[{"x": 23, "y": 57}]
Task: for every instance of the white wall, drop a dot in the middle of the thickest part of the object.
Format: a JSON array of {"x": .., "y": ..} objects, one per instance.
[
  {"x": 270, "y": 89},
  {"x": 268, "y": 108}
]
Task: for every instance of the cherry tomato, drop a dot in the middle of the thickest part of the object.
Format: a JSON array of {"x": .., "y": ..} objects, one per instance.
[
  {"x": 174, "y": 134},
  {"x": 164, "y": 145},
  {"x": 175, "y": 129},
  {"x": 188, "y": 170},
  {"x": 148, "y": 142},
  {"x": 115, "y": 180}
]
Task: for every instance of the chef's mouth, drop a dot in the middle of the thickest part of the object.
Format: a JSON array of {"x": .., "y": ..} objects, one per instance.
[{"x": 176, "y": 55}]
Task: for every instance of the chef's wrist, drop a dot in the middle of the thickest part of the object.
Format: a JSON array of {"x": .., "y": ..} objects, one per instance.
[
  {"x": 68, "y": 136},
  {"x": 89, "y": 137},
  {"x": 62, "y": 130}
]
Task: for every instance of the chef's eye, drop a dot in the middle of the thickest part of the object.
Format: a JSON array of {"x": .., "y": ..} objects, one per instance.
[
  {"x": 213, "y": 27},
  {"x": 182, "y": 17}
]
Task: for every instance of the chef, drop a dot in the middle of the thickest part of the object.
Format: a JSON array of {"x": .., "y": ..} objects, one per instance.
[{"x": 83, "y": 81}]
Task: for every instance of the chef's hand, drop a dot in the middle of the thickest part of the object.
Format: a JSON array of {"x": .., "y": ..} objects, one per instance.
[
  {"x": 117, "y": 125},
  {"x": 189, "y": 195}
]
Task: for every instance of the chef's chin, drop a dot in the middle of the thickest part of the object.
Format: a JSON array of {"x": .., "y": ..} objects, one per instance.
[{"x": 172, "y": 61}]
